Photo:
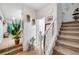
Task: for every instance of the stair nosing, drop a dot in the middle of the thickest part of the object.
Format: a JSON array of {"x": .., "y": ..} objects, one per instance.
[
  {"x": 70, "y": 32},
  {"x": 68, "y": 44},
  {"x": 10, "y": 50},
  {"x": 69, "y": 36}
]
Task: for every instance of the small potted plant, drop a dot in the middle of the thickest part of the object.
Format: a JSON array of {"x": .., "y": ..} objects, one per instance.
[{"x": 16, "y": 31}]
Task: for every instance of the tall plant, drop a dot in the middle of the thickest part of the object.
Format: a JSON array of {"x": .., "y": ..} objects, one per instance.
[{"x": 16, "y": 31}]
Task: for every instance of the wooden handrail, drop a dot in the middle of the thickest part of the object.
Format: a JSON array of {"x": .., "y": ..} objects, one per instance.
[{"x": 49, "y": 27}]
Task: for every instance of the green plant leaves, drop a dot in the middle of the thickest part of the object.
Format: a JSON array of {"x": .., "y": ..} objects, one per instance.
[{"x": 16, "y": 28}]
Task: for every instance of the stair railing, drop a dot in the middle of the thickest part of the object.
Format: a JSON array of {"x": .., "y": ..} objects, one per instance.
[{"x": 51, "y": 32}]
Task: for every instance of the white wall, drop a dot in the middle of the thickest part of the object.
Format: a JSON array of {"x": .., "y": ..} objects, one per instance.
[
  {"x": 40, "y": 26},
  {"x": 1, "y": 28},
  {"x": 11, "y": 11},
  {"x": 59, "y": 16},
  {"x": 68, "y": 13},
  {"x": 29, "y": 29},
  {"x": 57, "y": 26},
  {"x": 47, "y": 11}
]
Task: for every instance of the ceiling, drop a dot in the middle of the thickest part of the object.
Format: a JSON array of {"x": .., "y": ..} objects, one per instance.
[
  {"x": 36, "y": 6},
  {"x": 11, "y": 10}
]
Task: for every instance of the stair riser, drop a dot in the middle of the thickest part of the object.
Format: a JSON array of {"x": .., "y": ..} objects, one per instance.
[
  {"x": 70, "y": 25},
  {"x": 69, "y": 47},
  {"x": 66, "y": 39},
  {"x": 71, "y": 22},
  {"x": 75, "y": 23},
  {"x": 73, "y": 34},
  {"x": 69, "y": 29}
]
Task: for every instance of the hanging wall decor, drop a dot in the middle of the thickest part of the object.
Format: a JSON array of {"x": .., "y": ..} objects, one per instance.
[
  {"x": 28, "y": 18},
  {"x": 33, "y": 21},
  {"x": 76, "y": 14}
]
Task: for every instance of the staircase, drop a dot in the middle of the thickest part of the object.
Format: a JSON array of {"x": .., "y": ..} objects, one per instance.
[
  {"x": 68, "y": 39},
  {"x": 11, "y": 50}
]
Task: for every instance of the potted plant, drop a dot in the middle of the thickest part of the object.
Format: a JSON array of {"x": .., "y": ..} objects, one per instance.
[{"x": 16, "y": 31}]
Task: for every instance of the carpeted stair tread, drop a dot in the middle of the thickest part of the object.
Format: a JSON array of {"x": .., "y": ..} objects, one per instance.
[
  {"x": 69, "y": 37},
  {"x": 64, "y": 51},
  {"x": 69, "y": 43},
  {"x": 70, "y": 25},
  {"x": 74, "y": 33},
  {"x": 70, "y": 32}
]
